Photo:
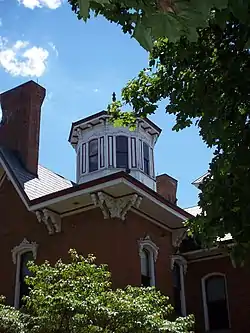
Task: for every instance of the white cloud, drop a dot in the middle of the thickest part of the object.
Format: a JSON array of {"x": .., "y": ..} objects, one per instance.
[
  {"x": 20, "y": 44},
  {"x": 52, "y": 4},
  {"x": 21, "y": 60},
  {"x": 52, "y": 45},
  {"x": 96, "y": 90}
]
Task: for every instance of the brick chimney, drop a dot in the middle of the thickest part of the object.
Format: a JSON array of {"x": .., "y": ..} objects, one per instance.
[
  {"x": 20, "y": 126},
  {"x": 166, "y": 186}
]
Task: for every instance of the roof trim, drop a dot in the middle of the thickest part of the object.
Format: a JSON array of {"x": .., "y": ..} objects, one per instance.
[
  {"x": 199, "y": 180},
  {"x": 105, "y": 114},
  {"x": 118, "y": 176},
  {"x": 122, "y": 176},
  {"x": 10, "y": 174}
]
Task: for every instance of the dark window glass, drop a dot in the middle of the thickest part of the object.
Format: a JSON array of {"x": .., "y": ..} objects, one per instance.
[
  {"x": 93, "y": 155},
  {"x": 177, "y": 289},
  {"x": 146, "y": 158},
  {"x": 121, "y": 152},
  {"x": 217, "y": 303},
  {"x": 24, "y": 289},
  {"x": 145, "y": 268}
]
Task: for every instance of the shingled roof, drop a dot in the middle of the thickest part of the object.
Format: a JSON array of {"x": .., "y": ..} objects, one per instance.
[{"x": 45, "y": 183}]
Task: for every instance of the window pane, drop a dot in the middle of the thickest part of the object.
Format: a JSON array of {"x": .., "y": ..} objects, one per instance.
[
  {"x": 217, "y": 303},
  {"x": 93, "y": 163},
  {"x": 215, "y": 288},
  {"x": 146, "y": 158},
  {"x": 121, "y": 152},
  {"x": 122, "y": 144},
  {"x": 145, "y": 281},
  {"x": 24, "y": 289},
  {"x": 146, "y": 167},
  {"x": 177, "y": 289},
  {"x": 177, "y": 276},
  {"x": 145, "y": 263},
  {"x": 93, "y": 147},
  {"x": 146, "y": 151},
  {"x": 122, "y": 160}
]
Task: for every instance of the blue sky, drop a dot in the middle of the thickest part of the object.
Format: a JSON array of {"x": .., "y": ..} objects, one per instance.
[{"x": 80, "y": 65}]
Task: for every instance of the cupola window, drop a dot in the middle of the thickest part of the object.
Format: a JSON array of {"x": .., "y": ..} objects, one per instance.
[
  {"x": 146, "y": 159},
  {"x": 121, "y": 151},
  {"x": 93, "y": 155}
]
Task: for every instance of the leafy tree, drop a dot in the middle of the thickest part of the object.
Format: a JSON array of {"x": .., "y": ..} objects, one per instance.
[
  {"x": 148, "y": 20},
  {"x": 207, "y": 83},
  {"x": 77, "y": 298}
]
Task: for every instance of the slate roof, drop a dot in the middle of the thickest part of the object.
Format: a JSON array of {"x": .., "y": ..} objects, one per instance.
[{"x": 46, "y": 182}]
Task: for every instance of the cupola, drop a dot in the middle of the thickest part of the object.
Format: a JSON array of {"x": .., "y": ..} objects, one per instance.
[{"x": 102, "y": 148}]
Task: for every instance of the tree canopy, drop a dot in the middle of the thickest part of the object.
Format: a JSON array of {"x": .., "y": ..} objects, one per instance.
[
  {"x": 149, "y": 20},
  {"x": 207, "y": 83},
  {"x": 77, "y": 297}
]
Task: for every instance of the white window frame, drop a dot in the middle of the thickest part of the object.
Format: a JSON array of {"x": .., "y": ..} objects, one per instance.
[
  {"x": 147, "y": 244},
  {"x": 17, "y": 251},
  {"x": 181, "y": 261},
  {"x": 129, "y": 150},
  {"x": 204, "y": 298}
]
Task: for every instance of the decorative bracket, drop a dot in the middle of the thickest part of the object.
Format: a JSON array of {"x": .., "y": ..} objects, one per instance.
[
  {"x": 50, "y": 219},
  {"x": 24, "y": 246},
  {"x": 115, "y": 207},
  {"x": 147, "y": 243},
  {"x": 177, "y": 236}
]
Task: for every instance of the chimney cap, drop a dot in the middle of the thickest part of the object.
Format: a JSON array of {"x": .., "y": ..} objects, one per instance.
[{"x": 30, "y": 83}]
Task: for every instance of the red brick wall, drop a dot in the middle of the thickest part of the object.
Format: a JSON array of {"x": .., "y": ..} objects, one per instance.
[
  {"x": 21, "y": 109},
  {"x": 113, "y": 241},
  {"x": 167, "y": 187},
  {"x": 238, "y": 288}
]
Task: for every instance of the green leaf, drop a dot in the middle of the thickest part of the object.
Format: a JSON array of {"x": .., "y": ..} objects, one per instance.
[
  {"x": 165, "y": 25},
  {"x": 240, "y": 9},
  {"x": 84, "y": 9},
  {"x": 143, "y": 36}
]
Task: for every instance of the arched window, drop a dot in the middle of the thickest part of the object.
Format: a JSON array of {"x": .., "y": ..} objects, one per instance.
[
  {"x": 215, "y": 302},
  {"x": 24, "y": 272},
  {"x": 177, "y": 288},
  {"x": 179, "y": 268},
  {"x": 122, "y": 151},
  {"x": 145, "y": 268},
  {"x": 148, "y": 252},
  {"x": 21, "y": 255},
  {"x": 93, "y": 155}
]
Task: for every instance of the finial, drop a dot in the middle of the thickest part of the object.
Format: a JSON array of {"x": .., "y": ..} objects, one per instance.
[{"x": 114, "y": 97}]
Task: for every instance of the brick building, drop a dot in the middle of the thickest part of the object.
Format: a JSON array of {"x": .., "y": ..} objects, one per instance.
[{"x": 117, "y": 209}]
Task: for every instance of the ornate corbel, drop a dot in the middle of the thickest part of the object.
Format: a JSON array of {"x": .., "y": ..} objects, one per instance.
[
  {"x": 115, "y": 207},
  {"x": 51, "y": 220},
  {"x": 177, "y": 236}
]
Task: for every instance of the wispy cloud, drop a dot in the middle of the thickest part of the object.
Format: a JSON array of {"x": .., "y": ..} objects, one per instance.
[
  {"x": 22, "y": 60},
  {"x": 52, "y": 4},
  {"x": 96, "y": 90},
  {"x": 1, "y": 22},
  {"x": 52, "y": 45}
]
